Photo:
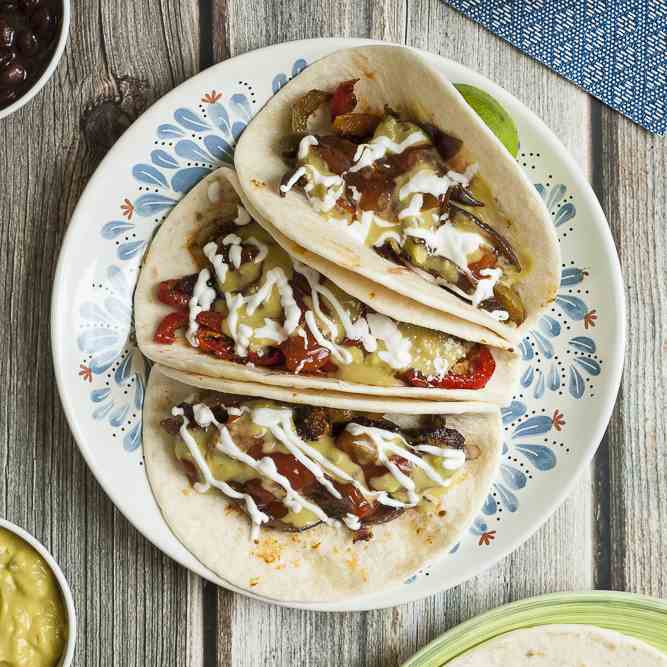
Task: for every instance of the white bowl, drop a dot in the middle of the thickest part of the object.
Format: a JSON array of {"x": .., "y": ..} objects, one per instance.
[
  {"x": 68, "y": 655},
  {"x": 51, "y": 68}
]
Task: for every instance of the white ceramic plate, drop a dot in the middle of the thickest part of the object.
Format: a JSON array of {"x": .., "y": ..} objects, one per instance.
[{"x": 571, "y": 361}]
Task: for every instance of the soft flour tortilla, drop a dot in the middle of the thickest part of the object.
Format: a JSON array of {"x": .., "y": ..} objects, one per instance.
[
  {"x": 562, "y": 646},
  {"x": 399, "y": 77},
  {"x": 169, "y": 257},
  {"x": 321, "y": 564}
]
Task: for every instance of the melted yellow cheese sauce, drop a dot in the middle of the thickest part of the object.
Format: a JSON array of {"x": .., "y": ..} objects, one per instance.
[{"x": 33, "y": 619}]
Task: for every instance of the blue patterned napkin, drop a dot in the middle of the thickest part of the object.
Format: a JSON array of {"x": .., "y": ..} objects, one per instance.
[{"x": 614, "y": 49}]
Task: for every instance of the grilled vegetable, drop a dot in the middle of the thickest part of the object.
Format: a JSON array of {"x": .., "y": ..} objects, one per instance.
[{"x": 304, "y": 107}]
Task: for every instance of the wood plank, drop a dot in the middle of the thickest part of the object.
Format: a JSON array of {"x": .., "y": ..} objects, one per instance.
[
  {"x": 558, "y": 556},
  {"x": 634, "y": 168},
  {"x": 134, "y": 605},
  {"x": 549, "y": 556},
  {"x": 284, "y": 636},
  {"x": 273, "y": 23}
]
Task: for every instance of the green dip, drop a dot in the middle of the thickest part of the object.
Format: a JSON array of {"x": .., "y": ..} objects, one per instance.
[{"x": 33, "y": 620}]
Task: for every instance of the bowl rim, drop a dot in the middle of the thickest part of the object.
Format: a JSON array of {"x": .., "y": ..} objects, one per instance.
[
  {"x": 50, "y": 69},
  {"x": 65, "y": 589}
]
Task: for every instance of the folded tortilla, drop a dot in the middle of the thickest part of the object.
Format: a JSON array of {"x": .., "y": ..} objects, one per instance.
[
  {"x": 562, "y": 646},
  {"x": 322, "y": 563},
  {"x": 169, "y": 256},
  {"x": 400, "y": 78}
]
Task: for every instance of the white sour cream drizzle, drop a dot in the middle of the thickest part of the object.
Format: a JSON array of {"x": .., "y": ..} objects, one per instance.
[
  {"x": 220, "y": 267},
  {"x": 333, "y": 185},
  {"x": 256, "y": 516},
  {"x": 338, "y": 352},
  {"x": 242, "y": 333},
  {"x": 449, "y": 242},
  {"x": 453, "y": 458},
  {"x": 358, "y": 330},
  {"x": 378, "y": 147},
  {"x": 217, "y": 261},
  {"x": 366, "y": 330},
  {"x": 387, "y": 442},
  {"x": 202, "y": 299},
  {"x": 242, "y": 217},
  {"x": 413, "y": 208},
  {"x": 305, "y": 144},
  {"x": 484, "y": 288},
  {"x": 397, "y": 353},
  {"x": 279, "y": 422},
  {"x": 425, "y": 182}
]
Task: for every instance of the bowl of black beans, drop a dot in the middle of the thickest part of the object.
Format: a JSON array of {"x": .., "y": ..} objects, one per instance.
[{"x": 32, "y": 39}]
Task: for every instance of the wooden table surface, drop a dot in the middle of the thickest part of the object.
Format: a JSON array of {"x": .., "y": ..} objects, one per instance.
[{"x": 136, "y": 606}]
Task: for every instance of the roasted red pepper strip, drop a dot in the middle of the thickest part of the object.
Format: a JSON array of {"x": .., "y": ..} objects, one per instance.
[
  {"x": 298, "y": 475},
  {"x": 176, "y": 292},
  {"x": 166, "y": 331},
  {"x": 304, "y": 356},
  {"x": 211, "y": 319},
  {"x": 344, "y": 99},
  {"x": 358, "y": 504},
  {"x": 483, "y": 365},
  {"x": 274, "y": 357},
  {"x": 216, "y": 344}
]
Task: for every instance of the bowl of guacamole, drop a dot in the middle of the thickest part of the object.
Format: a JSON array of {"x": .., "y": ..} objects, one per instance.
[{"x": 37, "y": 617}]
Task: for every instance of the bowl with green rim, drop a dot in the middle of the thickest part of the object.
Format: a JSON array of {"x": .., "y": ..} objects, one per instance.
[{"x": 636, "y": 616}]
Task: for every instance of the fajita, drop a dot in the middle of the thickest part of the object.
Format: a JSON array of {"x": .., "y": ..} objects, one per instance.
[
  {"x": 223, "y": 296},
  {"x": 371, "y": 159},
  {"x": 307, "y": 495}
]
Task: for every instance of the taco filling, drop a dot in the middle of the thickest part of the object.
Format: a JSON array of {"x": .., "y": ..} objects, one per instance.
[
  {"x": 252, "y": 303},
  {"x": 291, "y": 468},
  {"x": 404, "y": 189}
]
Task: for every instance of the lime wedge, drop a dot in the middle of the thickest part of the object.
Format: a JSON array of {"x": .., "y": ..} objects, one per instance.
[{"x": 493, "y": 114}]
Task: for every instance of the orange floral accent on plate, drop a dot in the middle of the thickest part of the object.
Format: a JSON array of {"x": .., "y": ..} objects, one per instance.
[
  {"x": 589, "y": 319},
  {"x": 212, "y": 97},
  {"x": 558, "y": 420},
  {"x": 127, "y": 208},
  {"x": 86, "y": 373},
  {"x": 487, "y": 537}
]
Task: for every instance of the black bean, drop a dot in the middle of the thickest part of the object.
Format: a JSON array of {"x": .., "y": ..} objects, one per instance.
[
  {"x": 44, "y": 22},
  {"x": 29, "y": 6},
  {"x": 12, "y": 75},
  {"x": 7, "y": 97},
  {"x": 7, "y": 32},
  {"x": 6, "y": 56},
  {"x": 27, "y": 42}
]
